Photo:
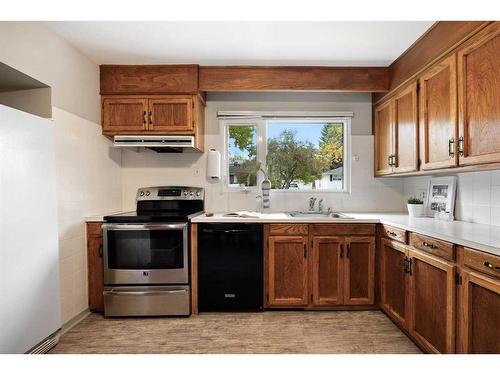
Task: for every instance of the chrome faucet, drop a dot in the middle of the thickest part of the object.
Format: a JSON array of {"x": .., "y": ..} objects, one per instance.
[
  {"x": 312, "y": 202},
  {"x": 320, "y": 205}
]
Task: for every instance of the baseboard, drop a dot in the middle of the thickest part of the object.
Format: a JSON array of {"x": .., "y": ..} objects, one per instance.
[{"x": 74, "y": 321}]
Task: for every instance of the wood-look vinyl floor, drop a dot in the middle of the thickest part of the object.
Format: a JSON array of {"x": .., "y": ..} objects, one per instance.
[{"x": 267, "y": 332}]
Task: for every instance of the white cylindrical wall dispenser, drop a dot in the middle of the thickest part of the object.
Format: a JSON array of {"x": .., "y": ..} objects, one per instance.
[{"x": 213, "y": 164}]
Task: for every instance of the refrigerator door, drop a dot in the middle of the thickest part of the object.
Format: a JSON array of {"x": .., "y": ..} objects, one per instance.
[{"x": 29, "y": 255}]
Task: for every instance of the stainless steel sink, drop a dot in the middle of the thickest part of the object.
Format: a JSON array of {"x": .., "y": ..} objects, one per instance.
[{"x": 318, "y": 214}]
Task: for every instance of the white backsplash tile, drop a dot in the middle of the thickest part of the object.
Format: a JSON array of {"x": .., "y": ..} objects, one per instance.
[{"x": 477, "y": 198}]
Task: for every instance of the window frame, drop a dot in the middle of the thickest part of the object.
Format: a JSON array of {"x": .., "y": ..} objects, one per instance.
[{"x": 262, "y": 124}]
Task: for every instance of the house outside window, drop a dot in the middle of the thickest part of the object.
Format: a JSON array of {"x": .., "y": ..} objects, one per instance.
[{"x": 297, "y": 154}]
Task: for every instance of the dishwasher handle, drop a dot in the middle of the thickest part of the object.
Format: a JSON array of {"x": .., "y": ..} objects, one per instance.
[{"x": 227, "y": 230}]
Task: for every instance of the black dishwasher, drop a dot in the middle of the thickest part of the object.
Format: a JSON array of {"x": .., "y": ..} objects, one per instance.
[{"x": 230, "y": 267}]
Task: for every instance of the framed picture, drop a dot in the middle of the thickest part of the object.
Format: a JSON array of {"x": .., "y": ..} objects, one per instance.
[{"x": 441, "y": 195}]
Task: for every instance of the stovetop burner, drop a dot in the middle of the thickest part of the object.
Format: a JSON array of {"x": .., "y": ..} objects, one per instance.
[{"x": 166, "y": 204}]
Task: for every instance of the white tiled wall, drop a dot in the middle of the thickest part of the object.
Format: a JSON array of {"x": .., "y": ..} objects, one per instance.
[
  {"x": 477, "y": 199},
  {"x": 88, "y": 183}
]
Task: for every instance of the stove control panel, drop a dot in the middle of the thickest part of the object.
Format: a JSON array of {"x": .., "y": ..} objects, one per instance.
[{"x": 170, "y": 193}]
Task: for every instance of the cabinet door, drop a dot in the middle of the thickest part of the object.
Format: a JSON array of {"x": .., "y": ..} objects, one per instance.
[
  {"x": 479, "y": 98},
  {"x": 406, "y": 130},
  {"x": 479, "y": 310},
  {"x": 438, "y": 106},
  {"x": 171, "y": 115},
  {"x": 327, "y": 256},
  {"x": 432, "y": 302},
  {"x": 393, "y": 281},
  {"x": 95, "y": 273},
  {"x": 359, "y": 271},
  {"x": 124, "y": 115},
  {"x": 383, "y": 138},
  {"x": 287, "y": 283}
]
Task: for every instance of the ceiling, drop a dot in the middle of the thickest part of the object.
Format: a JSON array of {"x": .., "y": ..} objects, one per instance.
[{"x": 242, "y": 43}]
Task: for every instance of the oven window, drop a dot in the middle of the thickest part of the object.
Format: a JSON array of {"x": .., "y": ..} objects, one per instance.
[{"x": 145, "y": 249}]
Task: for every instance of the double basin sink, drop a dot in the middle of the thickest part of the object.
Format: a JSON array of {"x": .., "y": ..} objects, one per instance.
[{"x": 318, "y": 214}]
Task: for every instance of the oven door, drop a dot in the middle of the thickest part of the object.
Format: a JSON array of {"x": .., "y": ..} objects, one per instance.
[{"x": 145, "y": 253}]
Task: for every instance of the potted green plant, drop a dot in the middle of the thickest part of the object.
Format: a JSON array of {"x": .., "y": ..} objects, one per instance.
[{"x": 415, "y": 207}]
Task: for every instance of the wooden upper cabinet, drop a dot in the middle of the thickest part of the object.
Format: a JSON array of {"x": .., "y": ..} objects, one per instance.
[
  {"x": 438, "y": 115},
  {"x": 287, "y": 262},
  {"x": 124, "y": 115},
  {"x": 393, "y": 281},
  {"x": 171, "y": 115},
  {"x": 383, "y": 138},
  {"x": 155, "y": 115},
  {"x": 406, "y": 130},
  {"x": 479, "y": 321},
  {"x": 359, "y": 271},
  {"x": 478, "y": 65},
  {"x": 327, "y": 271},
  {"x": 432, "y": 302}
]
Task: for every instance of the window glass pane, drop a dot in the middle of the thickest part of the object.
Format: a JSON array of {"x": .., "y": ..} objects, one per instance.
[
  {"x": 304, "y": 156},
  {"x": 242, "y": 155}
]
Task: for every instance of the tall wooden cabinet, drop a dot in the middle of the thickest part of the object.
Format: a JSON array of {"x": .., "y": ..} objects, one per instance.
[{"x": 478, "y": 68}]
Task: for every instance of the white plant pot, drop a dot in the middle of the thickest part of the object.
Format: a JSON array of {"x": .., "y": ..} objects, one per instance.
[{"x": 416, "y": 210}]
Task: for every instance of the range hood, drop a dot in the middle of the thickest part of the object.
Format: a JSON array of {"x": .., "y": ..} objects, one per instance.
[{"x": 158, "y": 143}]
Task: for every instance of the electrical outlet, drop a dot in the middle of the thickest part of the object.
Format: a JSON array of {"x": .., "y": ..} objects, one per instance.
[{"x": 196, "y": 172}]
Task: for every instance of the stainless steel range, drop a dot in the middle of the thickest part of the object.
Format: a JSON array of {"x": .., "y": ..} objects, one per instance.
[{"x": 146, "y": 253}]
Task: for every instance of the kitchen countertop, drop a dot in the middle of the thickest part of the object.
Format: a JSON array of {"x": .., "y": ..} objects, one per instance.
[{"x": 477, "y": 236}]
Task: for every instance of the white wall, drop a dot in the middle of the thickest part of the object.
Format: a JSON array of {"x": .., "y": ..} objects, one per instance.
[
  {"x": 367, "y": 193},
  {"x": 88, "y": 172},
  {"x": 477, "y": 198},
  {"x": 34, "y": 101}
]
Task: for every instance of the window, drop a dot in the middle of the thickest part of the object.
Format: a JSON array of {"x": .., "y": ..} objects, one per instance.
[{"x": 296, "y": 154}]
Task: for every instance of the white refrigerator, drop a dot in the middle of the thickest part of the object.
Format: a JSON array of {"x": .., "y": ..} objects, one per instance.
[{"x": 29, "y": 266}]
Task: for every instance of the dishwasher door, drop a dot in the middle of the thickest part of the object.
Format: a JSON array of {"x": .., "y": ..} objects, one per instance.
[{"x": 230, "y": 267}]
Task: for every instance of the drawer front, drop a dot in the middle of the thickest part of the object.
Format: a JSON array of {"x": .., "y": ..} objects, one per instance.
[
  {"x": 343, "y": 229},
  {"x": 393, "y": 233},
  {"x": 483, "y": 262},
  {"x": 289, "y": 229},
  {"x": 150, "y": 301},
  {"x": 94, "y": 229},
  {"x": 431, "y": 245}
]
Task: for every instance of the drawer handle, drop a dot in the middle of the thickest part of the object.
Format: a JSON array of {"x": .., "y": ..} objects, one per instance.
[
  {"x": 392, "y": 234},
  {"x": 431, "y": 245},
  {"x": 491, "y": 266}
]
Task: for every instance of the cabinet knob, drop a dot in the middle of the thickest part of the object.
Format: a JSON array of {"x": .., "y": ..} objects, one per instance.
[
  {"x": 144, "y": 118},
  {"x": 451, "y": 147}
]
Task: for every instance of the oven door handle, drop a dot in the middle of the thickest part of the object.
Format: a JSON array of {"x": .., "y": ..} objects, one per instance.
[
  {"x": 144, "y": 226},
  {"x": 144, "y": 293}
]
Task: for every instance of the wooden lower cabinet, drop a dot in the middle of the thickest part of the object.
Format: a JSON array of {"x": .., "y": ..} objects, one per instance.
[
  {"x": 327, "y": 271},
  {"x": 359, "y": 271},
  {"x": 393, "y": 281},
  {"x": 432, "y": 302},
  {"x": 95, "y": 267},
  {"x": 479, "y": 314},
  {"x": 287, "y": 277},
  {"x": 319, "y": 271}
]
